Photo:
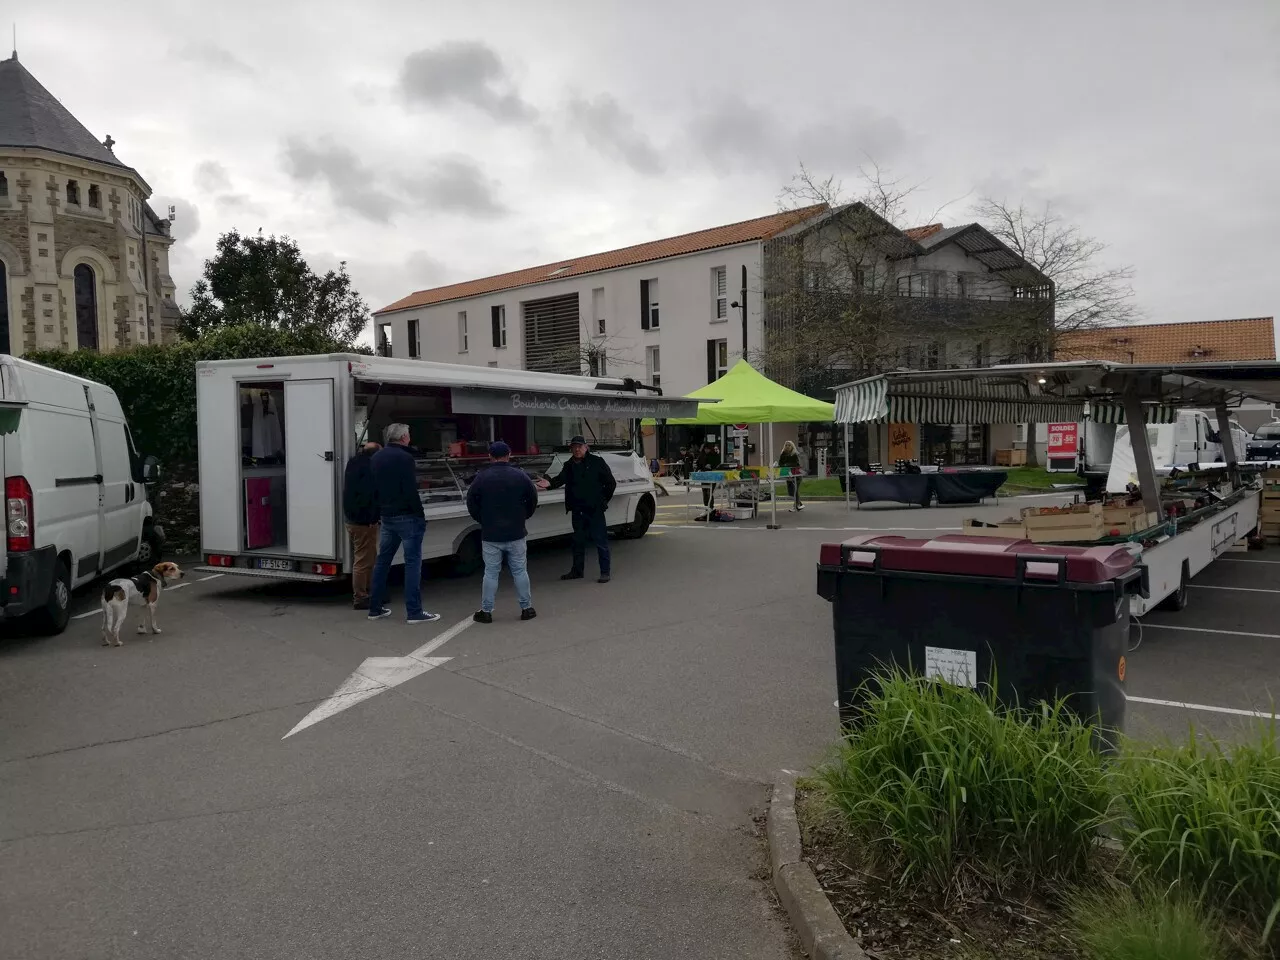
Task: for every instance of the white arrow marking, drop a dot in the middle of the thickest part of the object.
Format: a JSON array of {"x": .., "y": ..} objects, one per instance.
[{"x": 379, "y": 674}]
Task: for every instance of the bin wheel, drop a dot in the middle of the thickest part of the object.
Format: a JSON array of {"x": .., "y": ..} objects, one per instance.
[{"x": 1179, "y": 599}]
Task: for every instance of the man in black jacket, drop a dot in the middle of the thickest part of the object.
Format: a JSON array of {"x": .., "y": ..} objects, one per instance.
[
  {"x": 588, "y": 488},
  {"x": 501, "y": 498},
  {"x": 395, "y": 476},
  {"x": 360, "y": 509}
]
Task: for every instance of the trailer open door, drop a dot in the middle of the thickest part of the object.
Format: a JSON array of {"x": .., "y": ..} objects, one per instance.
[{"x": 311, "y": 477}]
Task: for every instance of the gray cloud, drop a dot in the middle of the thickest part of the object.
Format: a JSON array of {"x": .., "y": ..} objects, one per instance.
[
  {"x": 463, "y": 72},
  {"x": 213, "y": 56},
  {"x": 612, "y": 130},
  {"x": 351, "y": 183},
  {"x": 458, "y": 185},
  {"x": 736, "y": 134},
  {"x": 211, "y": 177}
]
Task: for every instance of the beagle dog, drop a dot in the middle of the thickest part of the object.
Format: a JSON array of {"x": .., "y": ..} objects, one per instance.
[{"x": 142, "y": 591}]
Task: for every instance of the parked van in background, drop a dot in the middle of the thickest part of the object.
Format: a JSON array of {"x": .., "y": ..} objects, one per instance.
[{"x": 75, "y": 490}]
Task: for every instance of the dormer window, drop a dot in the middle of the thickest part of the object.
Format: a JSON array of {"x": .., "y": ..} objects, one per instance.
[
  {"x": 73, "y": 192},
  {"x": 95, "y": 197}
]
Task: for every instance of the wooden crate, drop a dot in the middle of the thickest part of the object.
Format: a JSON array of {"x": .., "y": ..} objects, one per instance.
[
  {"x": 1126, "y": 521},
  {"x": 1011, "y": 458},
  {"x": 1082, "y": 522},
  {"x": 1009, "y": 529}
]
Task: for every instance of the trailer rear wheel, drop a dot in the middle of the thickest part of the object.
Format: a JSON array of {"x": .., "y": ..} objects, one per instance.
[
  {"x": 1179, "y": 599},
  {"x": 470, "y": 556}
]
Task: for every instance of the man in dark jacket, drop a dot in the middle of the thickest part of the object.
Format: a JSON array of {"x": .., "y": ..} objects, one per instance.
[
  {"x": 360, "y": 509},
  {"x": 588, "y": 488},
  {"x": 395, "y": 477},
  {"x": 501, "y": 498}
]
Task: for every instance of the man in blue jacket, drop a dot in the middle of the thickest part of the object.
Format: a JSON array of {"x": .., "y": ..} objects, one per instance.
[
  {"x": 395, "y": 478},
  {"x": 501, "y": 498}
]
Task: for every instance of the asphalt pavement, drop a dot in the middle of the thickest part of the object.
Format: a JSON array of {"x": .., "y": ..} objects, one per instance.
[{"x": 579, "y": 785}]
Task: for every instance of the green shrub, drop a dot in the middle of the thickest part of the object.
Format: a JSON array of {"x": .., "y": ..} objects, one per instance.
[
  {"x": 157, "y": 384},
  {"x": 1205, "y": 820},
  {"x": 1117, "y": 925},
  {"x": 946, "y": 784}
]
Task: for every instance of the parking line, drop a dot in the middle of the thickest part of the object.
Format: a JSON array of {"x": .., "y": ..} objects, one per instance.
[
  {"x": 177, "y": 586},
  {"x": 91, "y": 613},
  {"x": 1243, "y": 560},
  {"x": 212, "y": 576},
  {"x": 1229, "y": 633},
  {"x": 1234, "y": 711},
  {"x": 1208, "y": 586}
]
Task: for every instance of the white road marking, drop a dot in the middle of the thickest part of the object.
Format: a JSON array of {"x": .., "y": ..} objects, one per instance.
[
  {"x": 212, "y": 576},
  {"x": 178, "y": 586},
  {"x": 379, "y": 674},
  {"x": 1206, "y": 586},
  {"x": 731, "y": 526},
  {"x": 1229, "y": 633},
  {"x": 1234, "y": 711},
  {"x": 91, "y": 613},
  {"x": 1243, "y": 560}
]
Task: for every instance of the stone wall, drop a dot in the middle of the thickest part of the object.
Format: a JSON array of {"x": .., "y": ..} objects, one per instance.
[{"x": 104, "y": 237}]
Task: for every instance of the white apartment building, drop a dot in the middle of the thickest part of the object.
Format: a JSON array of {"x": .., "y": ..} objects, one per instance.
[{"x": 670, "y": 312}]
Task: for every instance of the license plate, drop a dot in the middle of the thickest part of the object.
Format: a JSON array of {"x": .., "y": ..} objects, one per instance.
[{"x": 275, "y": 564}]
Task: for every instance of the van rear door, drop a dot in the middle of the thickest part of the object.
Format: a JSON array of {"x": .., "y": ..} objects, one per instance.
[{"x": 311, "y": 476}]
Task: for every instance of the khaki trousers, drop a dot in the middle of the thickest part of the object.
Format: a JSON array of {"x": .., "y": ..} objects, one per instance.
[{"x": 364, "y": 541}]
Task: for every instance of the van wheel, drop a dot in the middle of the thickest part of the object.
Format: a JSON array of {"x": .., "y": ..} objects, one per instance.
[
  {"x": 470, "y": 556},
  {"x": 148, "y": 551},
  {"x": 637, "y": 528},
  {"x": 54, "y": 616},
  {"x": 1179, "y": 599}
]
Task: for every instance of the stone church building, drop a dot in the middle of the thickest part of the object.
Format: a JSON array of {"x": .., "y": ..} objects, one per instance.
[{"x": 84, "y": 261}]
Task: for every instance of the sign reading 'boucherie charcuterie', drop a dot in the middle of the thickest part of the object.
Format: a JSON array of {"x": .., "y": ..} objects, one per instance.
[{"x": 531, "y": 403}]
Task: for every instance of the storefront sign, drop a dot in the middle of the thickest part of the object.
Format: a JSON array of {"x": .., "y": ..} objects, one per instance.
[
  {"x": 902, "y": 441},
  {"x": 532, "y": 403},
  {"x": 1062, "y": 439}
]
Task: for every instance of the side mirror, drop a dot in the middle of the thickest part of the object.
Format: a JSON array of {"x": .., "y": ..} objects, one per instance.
[{"x": 150, "y": 470}]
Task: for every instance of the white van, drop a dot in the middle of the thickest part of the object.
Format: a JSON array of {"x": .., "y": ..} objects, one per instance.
[
  {"x": 1193, "y": 439},
  {"x": 75, "y": 490}
]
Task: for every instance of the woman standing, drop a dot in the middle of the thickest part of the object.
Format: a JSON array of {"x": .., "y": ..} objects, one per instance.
[{"x": 790, "y": 458}]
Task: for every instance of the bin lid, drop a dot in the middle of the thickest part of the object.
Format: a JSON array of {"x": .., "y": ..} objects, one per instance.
[{"x": 981, "y": 557}]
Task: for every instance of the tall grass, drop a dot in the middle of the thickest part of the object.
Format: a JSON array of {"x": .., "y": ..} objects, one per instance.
[
  {"x": 947, "y": 786},
  {"x": 1117, "y": 925},
  {"x": 1205, "y": 821}
]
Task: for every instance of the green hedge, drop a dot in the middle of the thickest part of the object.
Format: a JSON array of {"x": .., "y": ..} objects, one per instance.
[{"x": 157, "y": 385}]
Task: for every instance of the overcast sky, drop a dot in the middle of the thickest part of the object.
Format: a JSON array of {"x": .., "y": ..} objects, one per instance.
[{"x": 431, "y": 142}]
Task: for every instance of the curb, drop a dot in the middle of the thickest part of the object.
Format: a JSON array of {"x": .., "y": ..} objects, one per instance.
[{"x": 821, "y": 932}]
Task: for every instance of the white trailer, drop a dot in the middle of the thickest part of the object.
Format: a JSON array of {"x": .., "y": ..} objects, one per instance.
[
  {"x": 275, "y": 435},
  {"x": 1168, "y": 397}
]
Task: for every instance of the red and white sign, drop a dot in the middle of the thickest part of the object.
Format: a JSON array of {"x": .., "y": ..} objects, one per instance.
[{"x": 1063, "y": 438}]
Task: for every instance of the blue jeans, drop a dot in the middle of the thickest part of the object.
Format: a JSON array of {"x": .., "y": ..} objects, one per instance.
[
  {"x": 396, "y": 531},
  {"x": 515, "y": 551}
]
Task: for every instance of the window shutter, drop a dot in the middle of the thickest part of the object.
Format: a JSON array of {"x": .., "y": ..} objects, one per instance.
[
  {"x": 644, "y": 304},
  {"x": 711, "y": 361},
  {"x": 497, "y": 330}
]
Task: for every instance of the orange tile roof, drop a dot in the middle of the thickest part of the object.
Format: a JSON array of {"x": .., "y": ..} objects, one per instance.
[
  {"x": 1205, "y": 340},
  {"x": 747, "y": 231},
  {"x": 922, "y": 233}
]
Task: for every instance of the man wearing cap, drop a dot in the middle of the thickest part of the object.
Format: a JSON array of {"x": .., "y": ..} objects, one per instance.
[
  {"x": 501, "y": 498},
  {"x": 588, "y": 488}
]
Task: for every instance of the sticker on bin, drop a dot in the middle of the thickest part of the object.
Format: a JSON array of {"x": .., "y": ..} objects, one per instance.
[{"x": 958, "y": 667}]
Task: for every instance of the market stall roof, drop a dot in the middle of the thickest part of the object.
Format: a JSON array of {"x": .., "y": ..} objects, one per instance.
[
  {"x": 1049, "y": 392},
  {"x": 744, "y": 395}
]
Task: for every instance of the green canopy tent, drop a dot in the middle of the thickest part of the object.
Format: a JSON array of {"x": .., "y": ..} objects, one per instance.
[{"x": 744, "y": 395}]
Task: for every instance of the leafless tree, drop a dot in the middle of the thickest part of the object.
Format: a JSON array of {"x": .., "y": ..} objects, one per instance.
[{"x": 1088, "y": 293}]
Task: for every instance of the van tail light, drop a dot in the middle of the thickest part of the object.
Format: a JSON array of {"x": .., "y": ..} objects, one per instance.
[
  {"x": 218, "y": 560},
  {"x": 325, "y": 569},
  {"x": 20, "y": 514}
]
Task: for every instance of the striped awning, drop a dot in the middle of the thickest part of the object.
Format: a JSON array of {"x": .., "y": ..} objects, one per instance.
[
  {"x": 949, "y": 401},
  {"x": 970, "y": 401}
]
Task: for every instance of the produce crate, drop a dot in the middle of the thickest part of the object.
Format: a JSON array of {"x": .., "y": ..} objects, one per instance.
[
  {"x": 1011, "y": 528},
  {"x": 1064, "y": 524},
  {"x": 1011, "y": 458},
  {"x": 1126, "y": 521}
]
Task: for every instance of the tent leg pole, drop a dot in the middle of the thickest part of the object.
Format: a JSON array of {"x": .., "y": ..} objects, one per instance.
[
  {"x": 1136, "y": 417},
  {"x": 773, "y": 498},
  {"x": 848, "y": 481}
]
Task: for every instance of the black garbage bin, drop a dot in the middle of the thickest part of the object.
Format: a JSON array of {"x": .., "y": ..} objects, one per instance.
[{"x": 1044, "y": 621}]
